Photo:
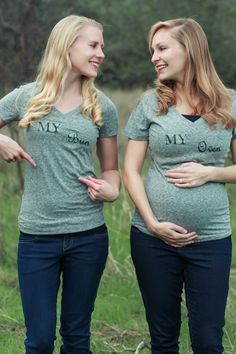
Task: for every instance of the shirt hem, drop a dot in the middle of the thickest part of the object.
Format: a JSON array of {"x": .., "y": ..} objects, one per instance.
[
  {"x": 59, "y": 230},
  {"x": 200, "y": 238}
]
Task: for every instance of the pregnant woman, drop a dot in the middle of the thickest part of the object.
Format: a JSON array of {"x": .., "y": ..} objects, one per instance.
[{"x": 181, "y": 234}]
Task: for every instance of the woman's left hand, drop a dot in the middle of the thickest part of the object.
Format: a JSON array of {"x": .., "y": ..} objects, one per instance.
[
  {"x": 100, "y": 189},
  {"x": 189, "y": 175}
]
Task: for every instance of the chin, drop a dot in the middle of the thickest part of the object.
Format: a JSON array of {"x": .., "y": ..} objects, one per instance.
[
  {"x": 93, "y": 74},
  {"x": 164, "y": 77},
  {"x": 90, "y": 75}
]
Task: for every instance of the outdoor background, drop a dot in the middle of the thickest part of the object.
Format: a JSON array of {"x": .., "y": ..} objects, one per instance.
[{"x": 119, "y": 322}]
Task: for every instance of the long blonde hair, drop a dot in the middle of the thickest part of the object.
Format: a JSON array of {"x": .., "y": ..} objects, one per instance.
[
  {"x": 200, "y": 80},
  {"x": 54, "y": 69}
]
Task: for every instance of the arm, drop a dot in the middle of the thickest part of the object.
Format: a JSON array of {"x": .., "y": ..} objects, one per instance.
[
  {"x": 170, "y": 233},
  {"x": 193, "y": 174},
  {"x": 107, "y": 188},
  {"x": 225, "y": 174},
  {"x": 11, "y": 151}
]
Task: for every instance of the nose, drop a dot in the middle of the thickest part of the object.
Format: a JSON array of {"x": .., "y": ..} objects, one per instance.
[
  {"x": 101, "y": 54},
  {"x": 155, "y": 57}
]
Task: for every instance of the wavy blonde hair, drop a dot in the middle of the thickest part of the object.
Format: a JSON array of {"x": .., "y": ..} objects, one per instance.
[
  {"x": 54, "y": 69},
  {"x": 200, "y": 79}
]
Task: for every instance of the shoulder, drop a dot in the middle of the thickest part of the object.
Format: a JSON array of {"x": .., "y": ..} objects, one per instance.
[
  {"x": 29, "y": 89},
  {"x": 21, "y": 91},
  {"x": 24, "y": 93},
  {"x": 14, "y": 105},
  {"x": 147, "y": 103},
  {"x": 106, "y": 102},
  {"x": 109, "y": 116},
  {"x": 19, "y": 95},
  {"x": 149, "y": 99}
]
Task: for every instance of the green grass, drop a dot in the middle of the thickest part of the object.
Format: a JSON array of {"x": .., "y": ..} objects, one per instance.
[{"x": 118, "y": 322}]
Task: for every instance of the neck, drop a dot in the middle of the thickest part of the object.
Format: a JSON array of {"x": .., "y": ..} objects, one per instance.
[
  {"x": 186, "y": 103},
  {"x": 73, "y": 85},
  {"x": 181, "y": 96},
  {"x": 186, "y": 98}
]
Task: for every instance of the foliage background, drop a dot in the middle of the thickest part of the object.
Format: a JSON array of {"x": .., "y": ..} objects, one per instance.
[{"x": 26, "y": 24}]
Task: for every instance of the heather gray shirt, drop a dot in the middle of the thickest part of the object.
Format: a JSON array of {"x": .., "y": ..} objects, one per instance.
[
  {"x": 173, "y": 140},
  {"x": 54, "y": 201}
]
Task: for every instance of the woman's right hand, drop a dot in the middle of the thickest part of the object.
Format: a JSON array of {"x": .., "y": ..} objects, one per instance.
[
  {"x": 172, "y": 234},
  {"x": 11, "y": 151}
]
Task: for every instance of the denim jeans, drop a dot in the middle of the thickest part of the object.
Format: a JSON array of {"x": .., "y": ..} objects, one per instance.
[
  {"x": 202, "y": 269},
  {"x": 77, "y": 260}
]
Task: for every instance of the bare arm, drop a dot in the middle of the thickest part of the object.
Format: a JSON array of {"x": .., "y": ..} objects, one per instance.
[
  {"x": 107, "y": 188},
  {"x": 225, "y": 174},
  {"x": 170, "y": 233},
  {"x": 11, "y": 151},
  {"x": 132, "y": 168},
  {"x": 193, "y": 174}
]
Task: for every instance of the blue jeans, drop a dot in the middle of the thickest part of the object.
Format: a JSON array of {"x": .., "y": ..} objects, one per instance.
[
  {"x": 162, "y": 272},
  {"x": 77, "y": 259}
]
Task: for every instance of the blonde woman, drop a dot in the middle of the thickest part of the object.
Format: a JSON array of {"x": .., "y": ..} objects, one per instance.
[
  {"x": 180, "y": 234},
  {"x": 62, "y": 231}
]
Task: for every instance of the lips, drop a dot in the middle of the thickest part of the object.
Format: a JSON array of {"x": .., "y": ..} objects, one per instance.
[
  {"x": 95, "y": 63},
  {"x": 160, "y": 67}
]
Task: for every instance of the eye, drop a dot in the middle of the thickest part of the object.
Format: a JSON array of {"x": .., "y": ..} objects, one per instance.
[{"x": 162, "y": 48}]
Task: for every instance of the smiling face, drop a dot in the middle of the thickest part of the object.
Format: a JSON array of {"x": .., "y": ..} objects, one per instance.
[
  {"x": 169, "y": 56},
  {"x": 86, "y": 53}
]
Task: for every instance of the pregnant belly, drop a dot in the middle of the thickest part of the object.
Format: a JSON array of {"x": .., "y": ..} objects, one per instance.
[{"x": 196, "y": 209}]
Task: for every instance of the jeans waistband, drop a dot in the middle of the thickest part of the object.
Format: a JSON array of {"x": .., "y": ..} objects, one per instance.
[{"x": 97, "y": 230}]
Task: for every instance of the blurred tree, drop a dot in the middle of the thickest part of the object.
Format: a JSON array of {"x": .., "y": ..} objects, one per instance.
[
  {"x": 25, "y": 26},
  {"x": 24, "y": 29},
  {"x": 127, "y": 25}
]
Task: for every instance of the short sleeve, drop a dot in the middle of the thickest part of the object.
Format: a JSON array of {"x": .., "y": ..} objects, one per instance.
[
  {"x": 137, "y": 127},
  {"x": 110, "y": 118},
  {"x": 9, "y": 106},
  {"x": 13, "y": 106}
]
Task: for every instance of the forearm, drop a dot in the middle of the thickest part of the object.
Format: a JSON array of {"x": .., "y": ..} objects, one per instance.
[
  {"x": 3, "y": 140},
  {"x": 11, "y": 151},
  {"x": 225, "y": 174},
  {"x": 112, "y": 177},
  {"x": 6, "y": 145},
  {"x": 222, "y": 174},
  {"x": 135, "y": 187}
]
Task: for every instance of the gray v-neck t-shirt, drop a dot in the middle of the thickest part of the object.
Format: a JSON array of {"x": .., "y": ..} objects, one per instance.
[
  {"x": 62, "y": 145},
  {"x": 173, "y": 140}
]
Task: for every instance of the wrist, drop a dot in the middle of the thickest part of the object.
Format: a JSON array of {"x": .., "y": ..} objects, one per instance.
[
  {"x": 153, "y": 225},
  {"x": 2, "y": 139},
  {"x": 211, "y": 175}
]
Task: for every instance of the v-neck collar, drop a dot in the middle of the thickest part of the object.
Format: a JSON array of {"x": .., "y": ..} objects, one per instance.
[
  {"x": 74, "y": 110},
  {"x": 180, "y": 116},
  {"x": 193, "y": 118}
]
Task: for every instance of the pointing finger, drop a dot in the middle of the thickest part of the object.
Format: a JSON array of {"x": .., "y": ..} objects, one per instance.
[{"x": 28, "y": 158}]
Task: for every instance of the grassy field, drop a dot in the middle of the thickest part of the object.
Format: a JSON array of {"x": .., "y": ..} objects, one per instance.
[{"x": 118, "y": 324}]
